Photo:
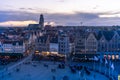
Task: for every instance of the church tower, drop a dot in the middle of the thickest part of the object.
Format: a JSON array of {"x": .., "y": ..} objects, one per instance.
[{"x": 41, "y": 21}]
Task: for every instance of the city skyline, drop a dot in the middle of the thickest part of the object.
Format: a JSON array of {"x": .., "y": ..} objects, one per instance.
[{"x": 60, "y": 12}]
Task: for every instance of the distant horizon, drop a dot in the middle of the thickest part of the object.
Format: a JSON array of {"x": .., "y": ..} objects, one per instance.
[
  {"x": 60, "y": 12},
  {"x": 58, "y": 26}
]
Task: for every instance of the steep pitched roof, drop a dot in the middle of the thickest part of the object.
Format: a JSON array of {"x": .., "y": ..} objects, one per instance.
[
  {"x": 98, "y": 35},
  {"x": 118, "y": 33},
  {"x": 108, "y": 35}
]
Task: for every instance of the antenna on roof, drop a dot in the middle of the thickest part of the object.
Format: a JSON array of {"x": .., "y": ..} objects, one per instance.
[{"x": 81, "y": 23}]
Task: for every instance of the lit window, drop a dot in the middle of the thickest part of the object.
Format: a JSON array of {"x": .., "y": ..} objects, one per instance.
[
  {"x": 109, "y": 56},
  {"x": 113, "y": 57},
  {"x": 117, "y": 56}
]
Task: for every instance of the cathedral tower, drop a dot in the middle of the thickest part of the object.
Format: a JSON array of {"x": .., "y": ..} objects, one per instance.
[{"x": 41, "y": 21}]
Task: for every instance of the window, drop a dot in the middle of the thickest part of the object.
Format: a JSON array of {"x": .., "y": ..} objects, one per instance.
[
  {"x": 117, "y": 56},
  {"x": 113, "y": 57}
]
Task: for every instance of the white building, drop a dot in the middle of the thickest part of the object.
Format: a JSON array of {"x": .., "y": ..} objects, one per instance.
[
  {"x": 54, "y": 47},
  {"x": 19, "y": 47},
  {"x": 65, "y": 44},
  {"x": 13, "y": 47},
  {"x": 8, "y": 47}
]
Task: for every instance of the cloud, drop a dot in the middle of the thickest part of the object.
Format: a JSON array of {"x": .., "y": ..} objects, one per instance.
[
  {"x": 50, "y": 23},
  {"x": 17, "y": 23},
  {"x": 27, "y": 8},
  {"x": 17, "y": 16},
  {"x": 59, "y": 18},
  {"x": 104, "y": 22},
  {"x": 71, "y": 19}
]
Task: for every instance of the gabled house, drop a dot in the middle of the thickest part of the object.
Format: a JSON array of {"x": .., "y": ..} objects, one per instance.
[
  {"x": 91, "y": 44},
  {"x": 108, "y": 45},
  {"x": 42, "y": 43},
  {"x": 108, "y": 36},
  {"x": 103, "y": 42}
]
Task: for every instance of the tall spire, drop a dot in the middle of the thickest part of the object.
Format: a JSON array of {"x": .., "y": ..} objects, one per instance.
[{"x": 41, "y": 20}]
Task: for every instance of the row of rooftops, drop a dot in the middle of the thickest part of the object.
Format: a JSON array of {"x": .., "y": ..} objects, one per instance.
[
  {"x": 17, "y": 39},
  {"x": 12, "y": 35},
  {"x": 98, "y": 35},
  {"x": 52, "y": 39},
  {"x": 107, "y": 34},
  {"x": 15, "y": 42},
  {"x": 44, "y": 38}
]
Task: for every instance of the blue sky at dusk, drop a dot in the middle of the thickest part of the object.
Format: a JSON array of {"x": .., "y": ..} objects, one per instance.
[{"x": 60, "y": 12}]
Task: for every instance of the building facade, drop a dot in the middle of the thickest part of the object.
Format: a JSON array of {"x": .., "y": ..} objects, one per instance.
[
  {"x": 91, "y": 44},
  {"x": 63, "y": 41},
  {"x": 13, "y": 47},
  {"x": 42, "y": 43},
  {"x": 54, "y": 46},
  {"x": 80, "y": 38}
]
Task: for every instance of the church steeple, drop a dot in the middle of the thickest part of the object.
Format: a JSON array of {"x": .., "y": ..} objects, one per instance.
[{"x": 41, "y": 20}]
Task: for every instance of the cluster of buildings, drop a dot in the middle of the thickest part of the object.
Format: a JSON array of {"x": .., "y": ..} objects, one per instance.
[
  {"x": 17, "y": 42},
  {"x": 82, "y": 42},
  {"x": 102, "y": 43},
  {"x": 14, "y": 42},
  {"x": 59, "y": 43}
]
